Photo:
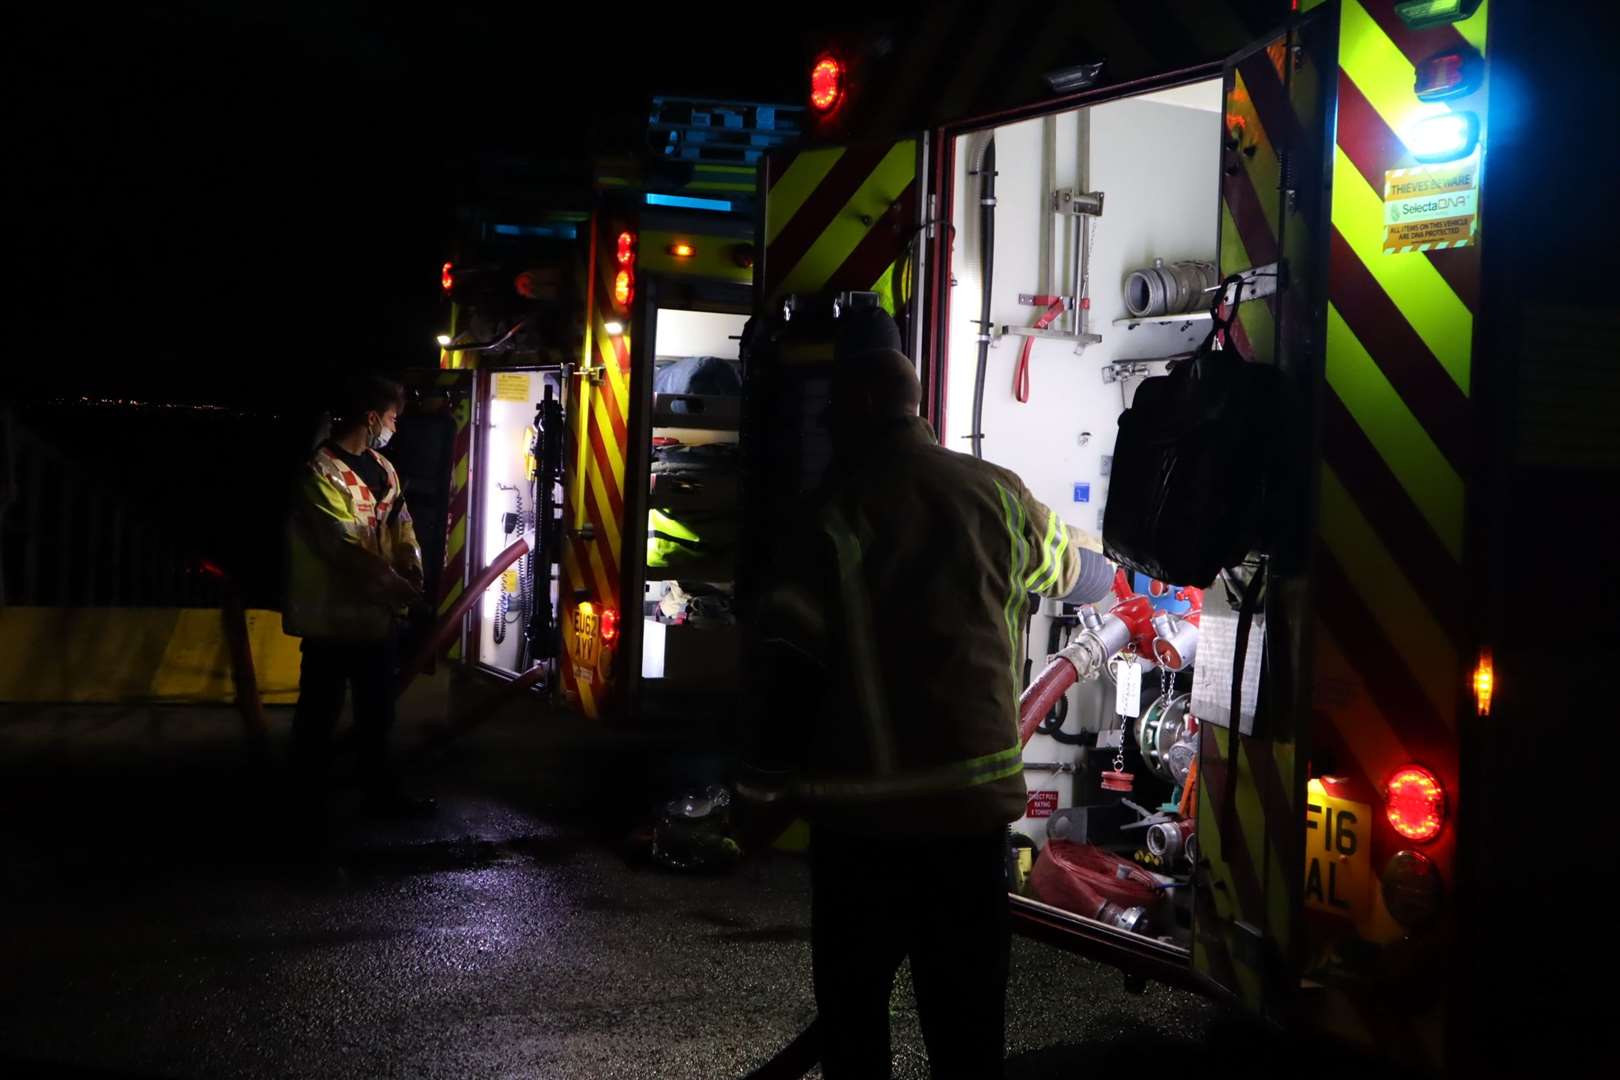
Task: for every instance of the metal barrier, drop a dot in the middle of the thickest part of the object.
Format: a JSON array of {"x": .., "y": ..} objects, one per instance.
[{"x": 67, "y": 540}]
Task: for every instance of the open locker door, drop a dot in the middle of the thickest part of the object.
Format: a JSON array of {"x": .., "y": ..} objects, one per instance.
[
  {"x": 432, "y": 453},
  {"x": 1277, "y": 108}
]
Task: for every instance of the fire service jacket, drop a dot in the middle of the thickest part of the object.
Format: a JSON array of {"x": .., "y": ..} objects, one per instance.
[
  {"x": 343, "y": 544},
  {"x": 900, "y": 623}
]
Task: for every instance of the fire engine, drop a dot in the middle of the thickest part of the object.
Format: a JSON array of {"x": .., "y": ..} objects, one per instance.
[
  {"x": 589, "y": 360},
  {"x": 1057, "y": 203}
]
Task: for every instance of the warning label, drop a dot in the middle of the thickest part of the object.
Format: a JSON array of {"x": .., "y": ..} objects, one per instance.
[
  {"x": 1041, "y": 804},
  {"x": 1431, "y": 207},
  {"x": 511, "y": 386}
]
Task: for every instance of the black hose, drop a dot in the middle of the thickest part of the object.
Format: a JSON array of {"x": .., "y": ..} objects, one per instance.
[{"x": 987, "y": 239}]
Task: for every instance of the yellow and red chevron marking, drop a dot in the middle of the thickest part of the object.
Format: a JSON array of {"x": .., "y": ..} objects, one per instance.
[
  {"x": 1247, "y": 924},
  {"x": 453, "y": 577},
  {"x": 1391, "y": 646},
  {"x": 598, "y": 398},
  {"x": 840, "y": 218},
  {"x": 961, "y": 59}
]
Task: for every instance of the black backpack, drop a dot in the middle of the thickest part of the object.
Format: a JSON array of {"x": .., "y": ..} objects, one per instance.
[{"x": 1197, "y": 463}]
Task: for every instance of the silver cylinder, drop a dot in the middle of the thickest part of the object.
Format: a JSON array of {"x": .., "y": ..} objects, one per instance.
[
  {"x": 1112, "y": 634},
  {"x": 1133, "y": 919},
  {"x": 1168, "y": 289},
  {"x": 1168, "y": 839},
  {"x": 1175, "y": 643}
]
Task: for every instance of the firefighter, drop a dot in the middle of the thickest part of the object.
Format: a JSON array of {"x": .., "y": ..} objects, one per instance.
[
  {"x": 354, "y": 570},
  {"x": 907, "y": 614}
]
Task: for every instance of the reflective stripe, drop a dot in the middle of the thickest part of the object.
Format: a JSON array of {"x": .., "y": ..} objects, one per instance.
[
  {"x": 870, "y": 703},
  {"x": 1018, "y": 557},
  {"x": 1052, "y": 551},
  {"x": 956, "y": 776}
]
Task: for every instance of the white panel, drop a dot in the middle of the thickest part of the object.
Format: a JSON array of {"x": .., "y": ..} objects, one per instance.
[
  {"x": 652, "y": 648},
  {"x": 1157, "y": 163},
  {"x": 698, "y": 333},
  {"x": 506, "y": 419}
]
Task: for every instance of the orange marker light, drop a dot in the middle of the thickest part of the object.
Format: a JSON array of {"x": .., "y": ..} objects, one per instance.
[{"x": 1484, "y": 683}]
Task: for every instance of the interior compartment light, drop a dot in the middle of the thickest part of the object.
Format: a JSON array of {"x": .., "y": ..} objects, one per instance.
[
  {"x": 1484, "y": 682},
  {"x": 1423, "y": 13},
  {"x": 627, "y": 248},
  {"x": 1415, "y": 804},
  {"x": 826, "y": 84},
  {"x": 624, "y": 288},
  {"x": 1453, "y": 73},
  {"x": 1443, "y": 136}
]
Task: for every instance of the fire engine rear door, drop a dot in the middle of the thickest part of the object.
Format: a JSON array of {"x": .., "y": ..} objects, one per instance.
[{"x": 1278, "y": 102}]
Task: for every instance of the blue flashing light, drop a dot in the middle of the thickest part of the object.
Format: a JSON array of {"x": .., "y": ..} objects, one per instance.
[
  {"x": 687, "y": 202},
  {"x": 1444, "y": 136}
]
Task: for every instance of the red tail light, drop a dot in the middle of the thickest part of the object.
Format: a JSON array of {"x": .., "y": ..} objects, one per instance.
[
  {"x": 447, "y": 277},
  {"x": 627, "y": 248},
  {"x": 1448, "y": 75},
  {"x": 1415, "y": 804},
  {"x": 826, "y": 84},
  {"x": 624, "y": 287},
  {"x": 610, "y": 626}
]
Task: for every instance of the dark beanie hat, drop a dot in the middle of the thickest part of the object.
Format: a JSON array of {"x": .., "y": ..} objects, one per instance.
[{"x": 865, "y": 330}]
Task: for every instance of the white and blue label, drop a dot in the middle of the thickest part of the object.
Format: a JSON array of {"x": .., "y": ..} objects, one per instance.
[{"x": 1082, "y": 493}]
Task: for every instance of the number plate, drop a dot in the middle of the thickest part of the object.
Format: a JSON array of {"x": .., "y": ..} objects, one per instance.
[
  {"x": 1338, "y": 859},
  {"x": 586, "y": 640}
]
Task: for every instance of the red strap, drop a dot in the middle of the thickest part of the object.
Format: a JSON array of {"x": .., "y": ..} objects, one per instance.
[{"x": 1021, "y": 372}]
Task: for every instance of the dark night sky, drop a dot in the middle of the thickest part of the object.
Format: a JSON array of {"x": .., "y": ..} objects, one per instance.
[
  {"x": 217, "y": 195},
  {"x": 230, "y": 202},
  {"x": 222, "y": 194}
]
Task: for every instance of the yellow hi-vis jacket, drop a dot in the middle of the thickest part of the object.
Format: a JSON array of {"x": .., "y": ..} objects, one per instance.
[
  {"x": 905, "y": 613},
  {"x": 344, "y": 546}
]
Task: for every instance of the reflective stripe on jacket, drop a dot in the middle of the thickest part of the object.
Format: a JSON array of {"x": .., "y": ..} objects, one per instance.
[
  {"x": 342, "y": 542},
  {"x": 911, "y": 598}
]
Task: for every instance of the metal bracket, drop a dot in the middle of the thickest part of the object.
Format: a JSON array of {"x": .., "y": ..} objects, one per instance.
[
  {"x": 1069, "y": 201},
  {"x": 1049, "y": 335},
  {"x": 1130, "y": 369},
  {"x": 1259, "y": 282},
  {"x": 1029, "y": 300}
]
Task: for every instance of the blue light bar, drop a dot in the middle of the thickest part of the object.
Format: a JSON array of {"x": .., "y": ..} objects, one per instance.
[
  {"x": 561, "y": 232},
  {"x": 687, "y": 202}
]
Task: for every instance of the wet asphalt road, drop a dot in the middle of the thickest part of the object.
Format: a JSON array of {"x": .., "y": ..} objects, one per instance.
[{"x": 157, "y": 925}]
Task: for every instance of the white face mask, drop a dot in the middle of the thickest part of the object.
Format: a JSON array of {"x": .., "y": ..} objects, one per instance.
[{"x": 380, "y": 440}]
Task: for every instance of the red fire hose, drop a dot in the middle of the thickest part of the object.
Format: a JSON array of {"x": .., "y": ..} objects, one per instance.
[
  {"x": 446, "y": 627},
  {"x": 1042, "y": 696}
]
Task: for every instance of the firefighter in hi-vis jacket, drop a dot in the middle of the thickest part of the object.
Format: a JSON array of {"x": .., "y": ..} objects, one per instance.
[
  {"x": 907, "y": 616},
  {"x": 354, "y": 570}
]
